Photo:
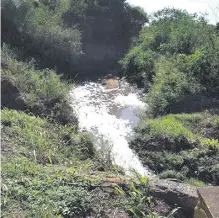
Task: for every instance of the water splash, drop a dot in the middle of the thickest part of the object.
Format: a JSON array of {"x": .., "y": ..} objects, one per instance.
[{"x": 111, "y": 116}]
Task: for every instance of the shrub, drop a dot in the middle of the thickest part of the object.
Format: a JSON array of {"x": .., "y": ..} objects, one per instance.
[
  {"x": 44, "y": 93},
  {"x": 176, "y": 57},
  {"x": 53, "y": 32},
  {"x": 203, "y": 66},
  {"x": 36, "y": 28},
  {"x": 136, "y": 200},
  {"x": 138, "y": 66},
  {"x": 169, "y": 88}
]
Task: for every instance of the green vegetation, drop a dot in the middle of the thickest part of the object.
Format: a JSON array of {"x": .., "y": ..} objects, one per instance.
[
  {"x": 175, "y": 60},
  {"x": 180, "y": 146},
  {"x": 47, "y": 169},
  {"x": 71, "y": 34},
  {"x": 41, "y": 141},
  {"x": 43, "y": 91},
  {"x": 36, "y": 28},
  {"x": 137, "y": 200},
  {"x": 176, "y": 57}
]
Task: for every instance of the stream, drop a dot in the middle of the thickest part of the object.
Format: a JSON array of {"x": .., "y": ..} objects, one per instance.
[{"x": 110, "y": 116}]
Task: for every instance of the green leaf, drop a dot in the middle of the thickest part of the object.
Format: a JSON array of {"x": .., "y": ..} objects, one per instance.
[
  {"x": 133, "y": 187},
  {"x": 50, "y": 159},
  {"x": 119, "y": 190},
  {"x": 143, "y": 180},
  {"x": 132, "y": 211}
]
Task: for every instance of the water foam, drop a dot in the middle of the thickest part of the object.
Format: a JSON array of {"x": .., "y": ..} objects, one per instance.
[{"x": 93, "y": 108}]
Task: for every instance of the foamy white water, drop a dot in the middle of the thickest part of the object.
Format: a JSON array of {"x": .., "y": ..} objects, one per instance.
[{"x": 110, "y": 116}]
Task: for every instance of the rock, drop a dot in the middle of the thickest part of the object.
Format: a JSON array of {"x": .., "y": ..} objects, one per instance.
[
  {"x": 10, "y": 95},
  {"x": 111, "y": 83},
  {"x": 208, "y": 206},
  {"x": 176, "y": 193}
]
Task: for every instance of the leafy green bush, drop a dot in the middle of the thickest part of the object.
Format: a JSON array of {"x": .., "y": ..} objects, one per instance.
[
  {"x": 43, "y": 91},
  {"x": 138, "y": 200},
  {"x": 170, "y": 87},
  {"x": 138, "y": 66},
  {"x": 37, "y": 29},
  {"x": 54, "y": 32},
  {"x": 176, "y": 56},
  {"x": 203, "y": 65}
]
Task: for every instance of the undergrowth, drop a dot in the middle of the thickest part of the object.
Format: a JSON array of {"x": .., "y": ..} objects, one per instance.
[
  {"x": 42, "y": 141},
  {"x": 48, "y": 170},
  {"x": 182, "y": 146},
  {"x": 42, "y": 90}
]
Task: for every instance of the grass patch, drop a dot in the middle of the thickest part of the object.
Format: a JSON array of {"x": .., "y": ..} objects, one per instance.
[
  {"x": 180, "y": 146},
  {"x": 195, "y": 182},
  {"x": 53, "y": 190},
  {"x": 42, "y": 141},
  {"x": 42, "y": 191},
  {"x": 169, "y": 126},
  {"x": 49, "y": 170}
]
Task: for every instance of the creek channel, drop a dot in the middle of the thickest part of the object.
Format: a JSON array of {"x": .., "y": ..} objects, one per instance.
[{"x": 110, "y": 116}]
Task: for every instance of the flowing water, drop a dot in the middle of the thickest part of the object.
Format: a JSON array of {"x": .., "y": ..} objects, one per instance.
[{"x": 110, "y": 116}]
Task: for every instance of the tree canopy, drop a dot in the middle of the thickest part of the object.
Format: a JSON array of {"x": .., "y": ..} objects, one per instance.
[{"x": 71, "y": 34}]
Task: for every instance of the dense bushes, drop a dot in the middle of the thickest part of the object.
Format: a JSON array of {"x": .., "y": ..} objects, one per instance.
[
  {"x": 176, "y": 57},
  {"x": 202, "y": 66},
  {"x": 37, "y": 30},
  {"x": 42, "y": 90},
  {"x": 178, "y": 143},
  {"x": 139, "y": 66},
  {"x": 170, "y": 86},
  {"x": 55, "y": 32}
]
